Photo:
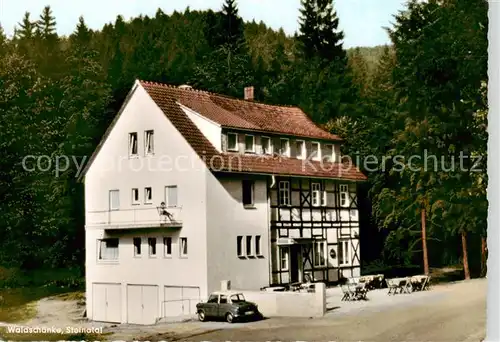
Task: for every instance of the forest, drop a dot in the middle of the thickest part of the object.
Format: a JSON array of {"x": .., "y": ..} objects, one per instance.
[{"x": 424, "y": 94}]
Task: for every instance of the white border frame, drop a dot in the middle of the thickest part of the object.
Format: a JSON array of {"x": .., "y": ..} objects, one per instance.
[{"x": 493, "y": 299}]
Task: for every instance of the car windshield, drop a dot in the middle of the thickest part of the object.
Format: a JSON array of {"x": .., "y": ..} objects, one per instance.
[{"x": 237, "y": 298}]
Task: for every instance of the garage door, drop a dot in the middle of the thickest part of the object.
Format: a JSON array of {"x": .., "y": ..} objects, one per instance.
[
  {"x": 180, "y": 300},
  {"x": 106, "y": 302},
  {"x": 142, "y": 304}
]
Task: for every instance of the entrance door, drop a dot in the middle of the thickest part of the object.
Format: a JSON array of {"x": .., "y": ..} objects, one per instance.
[{"x": 295, "y": 262}]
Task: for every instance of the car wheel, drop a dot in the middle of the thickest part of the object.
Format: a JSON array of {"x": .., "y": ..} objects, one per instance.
[
  {"x": 229, "y": 317},
  {"x": 201, "y": 316}
]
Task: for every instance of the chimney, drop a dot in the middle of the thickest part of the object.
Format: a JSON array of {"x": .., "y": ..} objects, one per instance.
[{"x": 249, "y": 93}]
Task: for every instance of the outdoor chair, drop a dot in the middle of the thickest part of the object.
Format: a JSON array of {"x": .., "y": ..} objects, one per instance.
[
  {"x": 406, "y": 286},
  {"x": 352, "y": 290},
  {"x": 347, "y": 294},
  {"x": 426, "y": 284},
  {"x": 360, "y": 291},
  {"x": 392, "y": 285}
]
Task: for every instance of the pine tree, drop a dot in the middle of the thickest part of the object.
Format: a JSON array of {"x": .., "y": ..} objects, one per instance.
[
  {"x": 82, "y": 35},
  {"x": 359, "y": 67},
  {"x": 46, "y": 25},
  {"x": 319, "y": 34},
  {"x": 3, "y": 42},
  {"x": 228, "y": 68},
  {"x": 227, "y": 27},
  {"x": 325, "y": 88},
  {"x": 27, "y": 28}
]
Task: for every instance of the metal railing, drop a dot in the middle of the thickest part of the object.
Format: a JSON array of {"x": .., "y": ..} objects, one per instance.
[{"x": 134, "y": 217}]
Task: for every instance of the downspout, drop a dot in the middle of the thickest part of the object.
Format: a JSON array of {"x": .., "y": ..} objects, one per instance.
[
  {"x": 269, "y": 249},
  {"x": 273, "y": 181}
]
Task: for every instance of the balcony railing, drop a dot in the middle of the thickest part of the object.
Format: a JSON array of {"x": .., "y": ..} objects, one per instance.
[{"x": 135, "y": 218}]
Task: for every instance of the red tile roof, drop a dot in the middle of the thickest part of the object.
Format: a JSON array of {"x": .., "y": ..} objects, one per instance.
[{"x": 243, "y": 114}]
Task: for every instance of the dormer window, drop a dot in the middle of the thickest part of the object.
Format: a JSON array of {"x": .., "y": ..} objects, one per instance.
[
  {"x": 300, "y": 146},
  {"x": 329, "y": 153},
  {"x": 232, "y": 142},
  {"x": 315, "y": 151},
  {"x": 285, "y": 147},
  {"x": 249, "y": 143},
  {"x": 265, "y": 142}
]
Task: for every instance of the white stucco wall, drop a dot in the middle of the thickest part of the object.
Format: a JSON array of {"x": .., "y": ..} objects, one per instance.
[
  {"x": 227, "y": 219},
  {"x": 174, "y": 163},
  {"x": 210, "y": 129}
]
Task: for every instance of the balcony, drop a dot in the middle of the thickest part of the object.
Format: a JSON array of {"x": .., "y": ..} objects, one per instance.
[{"x": 154, "y": 217}]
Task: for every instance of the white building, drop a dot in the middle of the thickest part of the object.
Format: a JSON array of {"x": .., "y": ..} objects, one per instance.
[{"x": 251, "y": 193}]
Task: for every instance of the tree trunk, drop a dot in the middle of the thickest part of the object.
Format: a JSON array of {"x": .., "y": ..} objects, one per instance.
[
  {"x": 464, "y": 255},
  {"x": 424, "y": 244},
  {"x": 483, "y": 256}
]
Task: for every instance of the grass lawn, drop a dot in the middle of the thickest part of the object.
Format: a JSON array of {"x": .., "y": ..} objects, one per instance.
[
  {"x": 21, "y": 291},
  {"x": 19, "y": 305}
]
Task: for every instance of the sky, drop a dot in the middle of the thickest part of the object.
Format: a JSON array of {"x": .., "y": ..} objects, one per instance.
[{"x": 361, "y": 20}]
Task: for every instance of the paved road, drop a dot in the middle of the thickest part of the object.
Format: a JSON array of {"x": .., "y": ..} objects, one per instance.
[{"x": 457, "y": 314}]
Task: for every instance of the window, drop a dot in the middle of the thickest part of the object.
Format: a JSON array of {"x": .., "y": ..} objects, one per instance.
[
  {"x": 132, "y": 144},
  {"x": 284, "y": 193},
  {"x": 266, "y": 145},
  {"x": 148, "y": 195},
  {"x": 171, "y": 196},
  {"x": 320, "y": 253},
  {"x": 213, "y": 299},
  {"x": 114, "y": 199},
  {"x": 315, "y": 151},
  {"x": 137, "y": 246},
  {"x": 167, "y": 246},
  {"x": 249, "y": 246},
  {"x": 108, "y": 249},
  {"x": 344, "y": 195},
  {"x": 248, "y": 193},
  {"x": 184, "y": 247},
  {"x": 232, "y": 142},
  {"x": 237, "y": 298},
  {"x": 315, "y": 194},
  {"x": 285, "y": 147},
  {"x": 258, "y": 251},
  {"x": 223, "y": 299},
  {"x": 284, "y": 258},
  {"x": 329, "y": 153},
  {"x": 300, "y": 146},
  {"x": 135, "y": 196},
  {"x": 249, "y": 143},
  {"x": 149, "y": 142},
  {"x": 239, "y": 245},
  {"x": 152, "y": 246},
  {"x": 343, "y": 252}
]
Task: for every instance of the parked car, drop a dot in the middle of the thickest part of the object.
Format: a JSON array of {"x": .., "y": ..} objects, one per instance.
[{"x": 229, "y": 305}]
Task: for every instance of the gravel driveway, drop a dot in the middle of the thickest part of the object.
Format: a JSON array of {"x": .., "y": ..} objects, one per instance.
[{"x": 454, "y": 312}]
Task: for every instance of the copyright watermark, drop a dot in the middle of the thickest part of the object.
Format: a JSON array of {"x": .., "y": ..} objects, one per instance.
[{"x": 60, "y": 164}]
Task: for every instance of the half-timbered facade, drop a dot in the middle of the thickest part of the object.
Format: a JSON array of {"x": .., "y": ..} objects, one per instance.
[{"x": 188, "y": 188}]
